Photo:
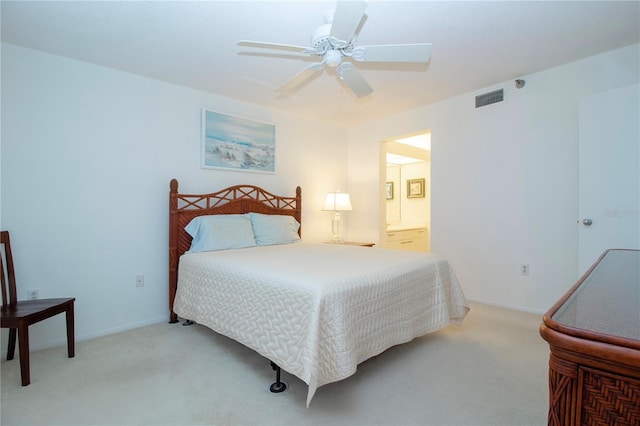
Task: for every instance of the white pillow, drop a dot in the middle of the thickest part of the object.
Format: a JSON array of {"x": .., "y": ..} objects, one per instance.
[
  {"x": 270, "y": 229},
  {"x": 220, "y": 232}
]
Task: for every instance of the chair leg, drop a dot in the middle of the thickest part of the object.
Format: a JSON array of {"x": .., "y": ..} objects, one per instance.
[
  {"x": 71, "y": 340},
  {"x": 11, "y": 350},
  {"x": 23, "y": 344}
]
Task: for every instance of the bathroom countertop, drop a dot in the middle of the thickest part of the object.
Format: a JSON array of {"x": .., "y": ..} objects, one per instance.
[{"x": 395, "y": 228}]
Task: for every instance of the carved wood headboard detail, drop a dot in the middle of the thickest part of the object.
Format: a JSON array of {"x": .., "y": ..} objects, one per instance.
[{"x": 237, "y": 199}]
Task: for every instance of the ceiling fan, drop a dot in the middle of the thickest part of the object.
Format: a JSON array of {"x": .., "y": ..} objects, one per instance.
[{"x": 336, "y": 44}]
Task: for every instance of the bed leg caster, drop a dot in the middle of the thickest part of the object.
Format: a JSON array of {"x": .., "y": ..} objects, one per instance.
[
  {"x": 278, "y": 386},
  {"x": 187, "y": 323}
]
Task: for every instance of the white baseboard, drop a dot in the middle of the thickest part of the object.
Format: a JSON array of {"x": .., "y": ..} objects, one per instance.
[
  {"x": 91, "y": 335},
  {"x": 508, "y": 306}
]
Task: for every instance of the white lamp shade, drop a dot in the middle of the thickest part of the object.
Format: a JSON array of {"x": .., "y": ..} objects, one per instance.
[{"x": 337, "y": 201}]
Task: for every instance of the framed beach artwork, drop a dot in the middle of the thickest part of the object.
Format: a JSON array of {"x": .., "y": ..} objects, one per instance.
[{"x": 236, "y": 143}]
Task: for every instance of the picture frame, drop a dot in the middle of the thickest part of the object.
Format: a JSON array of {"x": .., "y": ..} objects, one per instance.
[
  {"x": 237, "y": 144},
  {"x": 415, "y": 188},
  {"x": 389, "y": 190}
]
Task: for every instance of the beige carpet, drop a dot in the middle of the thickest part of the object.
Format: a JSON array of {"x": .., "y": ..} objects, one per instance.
[{"x": 490, "y": 371}]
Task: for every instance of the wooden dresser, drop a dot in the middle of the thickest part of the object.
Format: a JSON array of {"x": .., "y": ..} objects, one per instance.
[{"x": 594, "y": 338}]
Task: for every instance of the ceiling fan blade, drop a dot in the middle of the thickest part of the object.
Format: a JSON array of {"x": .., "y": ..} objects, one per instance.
[
  {"x": 300, "y": 78},
  {"x": 352, "y": 77},
  {"x": 420, "y": 52},
  {"x": 264, "y": 45},
  {"x": 346, "y": 18}
]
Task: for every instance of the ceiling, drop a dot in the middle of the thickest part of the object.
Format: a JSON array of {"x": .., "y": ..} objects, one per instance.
[{"x": 475, "y": 45}]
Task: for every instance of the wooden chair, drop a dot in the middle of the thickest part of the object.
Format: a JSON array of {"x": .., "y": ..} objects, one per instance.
[{"x": 18, "y": 316}]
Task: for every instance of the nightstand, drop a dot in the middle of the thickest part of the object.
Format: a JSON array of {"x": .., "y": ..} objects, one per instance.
[{"x": 352, "y": 243}]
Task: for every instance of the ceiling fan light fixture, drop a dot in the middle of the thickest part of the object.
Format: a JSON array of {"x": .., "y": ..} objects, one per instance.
[
  {"x": 333, "y": 58},
  {"x": 335, "y": 43}
]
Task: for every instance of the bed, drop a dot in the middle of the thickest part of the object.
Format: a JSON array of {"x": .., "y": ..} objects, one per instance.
[{"x": 314, "y": 310}]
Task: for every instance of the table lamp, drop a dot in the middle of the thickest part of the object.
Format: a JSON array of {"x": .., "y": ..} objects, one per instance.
[{"x": 337, "y": 202}]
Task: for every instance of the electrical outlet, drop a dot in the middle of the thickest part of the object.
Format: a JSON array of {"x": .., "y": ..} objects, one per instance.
[
  {"x": 139, "y": 280},
  {"x": 33, "y": 294},
  {"x": 524, "y": 269}
]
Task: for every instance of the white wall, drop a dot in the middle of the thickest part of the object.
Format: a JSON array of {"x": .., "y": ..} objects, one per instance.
[
  {"x": 87, "y": 154},
  {"x": 503, "y": 179}
]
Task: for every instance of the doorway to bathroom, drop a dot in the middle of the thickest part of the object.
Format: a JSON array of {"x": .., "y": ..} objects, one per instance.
[{"x": 407, "y": 195}]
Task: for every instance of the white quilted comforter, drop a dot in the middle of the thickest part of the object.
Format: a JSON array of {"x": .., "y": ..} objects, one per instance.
[{"x": 318, "y": 310}]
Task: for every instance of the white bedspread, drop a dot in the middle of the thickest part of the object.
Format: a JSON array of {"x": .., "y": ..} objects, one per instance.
[{"x": 318, "y": 310}]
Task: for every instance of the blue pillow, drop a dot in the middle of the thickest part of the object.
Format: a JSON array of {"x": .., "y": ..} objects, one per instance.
[
  {"x": 274, "y": 229},
  {"x": 220, "y": 232}
]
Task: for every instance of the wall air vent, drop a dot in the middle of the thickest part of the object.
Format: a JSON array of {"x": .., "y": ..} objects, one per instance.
[{"x": 490, "y": 98}]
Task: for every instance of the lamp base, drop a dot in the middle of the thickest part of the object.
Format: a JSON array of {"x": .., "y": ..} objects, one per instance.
[{"x": 336, "y": 225}]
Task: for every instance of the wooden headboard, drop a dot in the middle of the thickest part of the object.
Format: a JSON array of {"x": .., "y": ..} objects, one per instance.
[{"x": 237, "y": 199}]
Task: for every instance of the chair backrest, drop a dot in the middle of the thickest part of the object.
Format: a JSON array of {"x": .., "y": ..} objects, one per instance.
[{"x": 9, "y": 296}]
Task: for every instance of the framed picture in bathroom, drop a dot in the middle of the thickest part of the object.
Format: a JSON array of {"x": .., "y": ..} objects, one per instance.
[
  {"x": 415, "y": 188},
  {"x": 389, "y": 190}
]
